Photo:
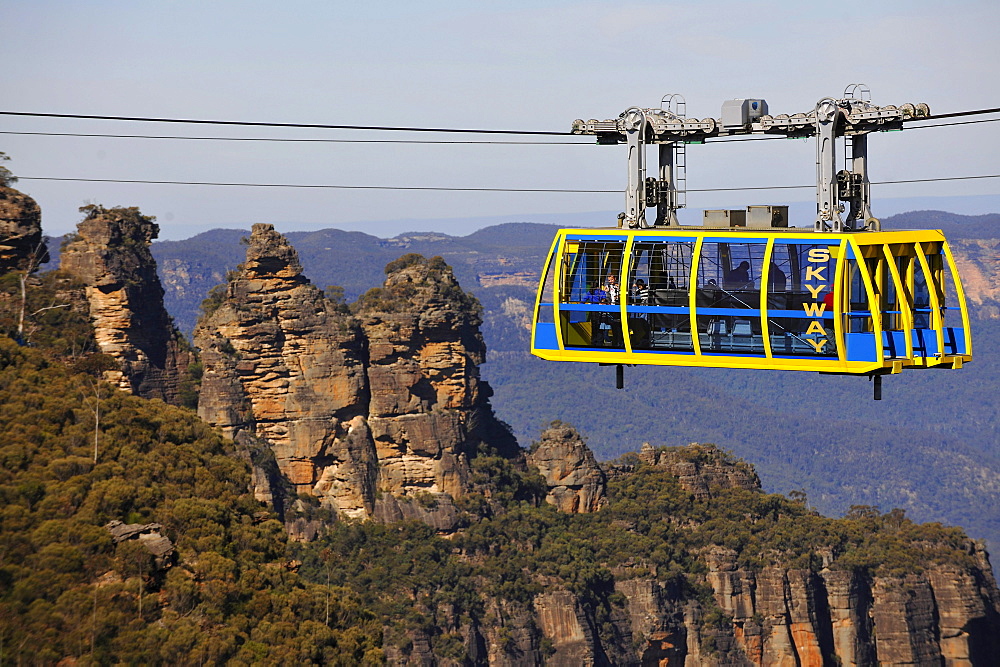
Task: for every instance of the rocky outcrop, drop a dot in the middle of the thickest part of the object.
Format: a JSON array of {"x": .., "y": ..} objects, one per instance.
[
  {"x": 424, "y": 352},
  {"x": 283, "y": 364},
  {"x": 375, "y": 413},
  {"x": 576, "y": 483},
  {"x": 148, "y": 535},
  {"x": 110, "y": 254},
  {"x": 564, "y": 623},
  {"x": 800, "y": 617},
  {"x": 21, "y": 241},
  {"x": 977, "y": 263},
  {"x": 700, "y": 468}
]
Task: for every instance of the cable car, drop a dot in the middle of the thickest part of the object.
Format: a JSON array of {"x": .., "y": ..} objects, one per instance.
[
  {"x": 746, "y": 291},
  {"x": 786, "y": 300}
]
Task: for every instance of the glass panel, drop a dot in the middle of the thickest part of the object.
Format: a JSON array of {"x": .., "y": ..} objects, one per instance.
[
  {"x": 859, "y": 319},
  {"x": 590, "y": 278},
  {"x": 946, "y": 291},
  {"x": 728, "y": 297},
  {"x": 661, "y": 274},
  {"x": 921, "y": 298},
  {"x": 792, "y": 336},
  {"x": 783, "y": 265},
  {"x": 545, "y": 311},
  {"x": 592, "y": 269},
  {"x": 890, "y": 307},
  {"x": 660, "y": 266}
]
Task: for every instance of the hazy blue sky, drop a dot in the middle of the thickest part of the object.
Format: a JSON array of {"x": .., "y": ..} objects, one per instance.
[{"x": 518, "y": 65}]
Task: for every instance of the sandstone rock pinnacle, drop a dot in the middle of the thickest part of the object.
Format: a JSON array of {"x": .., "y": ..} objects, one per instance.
[
  {"x": 287, "y": 365},
  {"x": 110, "y": 254},
  {"x": 576, "y": 483}
]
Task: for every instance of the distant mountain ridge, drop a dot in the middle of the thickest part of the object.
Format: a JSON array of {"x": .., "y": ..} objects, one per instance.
[{"x": 953, "y": 225}]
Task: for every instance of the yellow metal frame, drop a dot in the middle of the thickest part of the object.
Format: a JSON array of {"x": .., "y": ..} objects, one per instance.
[
  {"x": 880, "y": 246},
  {"x": 960, "y": 294},
  {"x": 541, "y": 290},
  {"x": 765, "y": 281}
]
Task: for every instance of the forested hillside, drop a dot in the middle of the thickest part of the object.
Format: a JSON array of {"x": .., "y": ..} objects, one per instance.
[{"x": 66, "y": 588}]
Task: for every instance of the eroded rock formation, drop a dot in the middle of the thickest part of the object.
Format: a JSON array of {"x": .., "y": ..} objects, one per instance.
[
  {"x": 374, "y": 413},
  {"x": 424, "y": 352},
  {"x": 110, "y": 254},
  {"x": 977, "y": 264},
  {"x": 20, "y": 231},
  {"x": 283, "y": 364},
  {"x": 576, "y": 483}
]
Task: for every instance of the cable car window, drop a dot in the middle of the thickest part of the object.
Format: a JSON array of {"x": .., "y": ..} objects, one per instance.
[
  {"x": 893, "y": 302},
  {"x": 948, "y": 297},
  {"x": 659, "y": 315},
  {"x": 890, "y": 307},
  {"x": 921, "y": 298},
  {"x": 800, "y": 297},
  {"x": 591, "y": 272},
  {"x": 728, "y": 287},
  {"x": 545, "y": 314},
  {"x": 859, "y": 317},
  {"x": 784, "y": 265},
  {"x": 588, "y": 270}
]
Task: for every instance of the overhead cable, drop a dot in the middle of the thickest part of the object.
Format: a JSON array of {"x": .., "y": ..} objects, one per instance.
[
  {"x": 468, "y": 189},
  {"x": 319, "y": 126},
  {"x": 412, "y": 141},
  {"x": 290, "y": 140},
  {"x": 956, "y": 114},
  {"x": 418, "y": 141},
  {"x": 383, "y": 128}
]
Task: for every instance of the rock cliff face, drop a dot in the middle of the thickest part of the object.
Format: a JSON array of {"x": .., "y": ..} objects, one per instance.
[
  {"x": 576, "y": 483},
  {"x": 20, "y": 231},
  {"x": 282, "y": 364},
  {"x": 110, "y": 254},
  {"x": 374, "y": 413},
  {"x": 795, "y": 616},
  {"x": 977, "y": 262},
  {"x": 424, "y": 352},
  {"x": 779, "y": 615}
]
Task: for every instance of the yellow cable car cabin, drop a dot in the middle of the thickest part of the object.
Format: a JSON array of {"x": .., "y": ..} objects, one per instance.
[
  {"x": 745, "y": 290},
  {"x": 857, "y": 303}
]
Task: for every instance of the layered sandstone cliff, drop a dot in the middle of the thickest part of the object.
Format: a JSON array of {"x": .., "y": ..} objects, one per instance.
[
  {"x": 110, "y": 254},
  {"x": 776, "y": 614},
  {"x": 977, "y": 263},
  {"x": 375, "y": 413}
]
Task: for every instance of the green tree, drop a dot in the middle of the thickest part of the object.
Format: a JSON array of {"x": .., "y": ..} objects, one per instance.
[{"x": 6, "y": 177}]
